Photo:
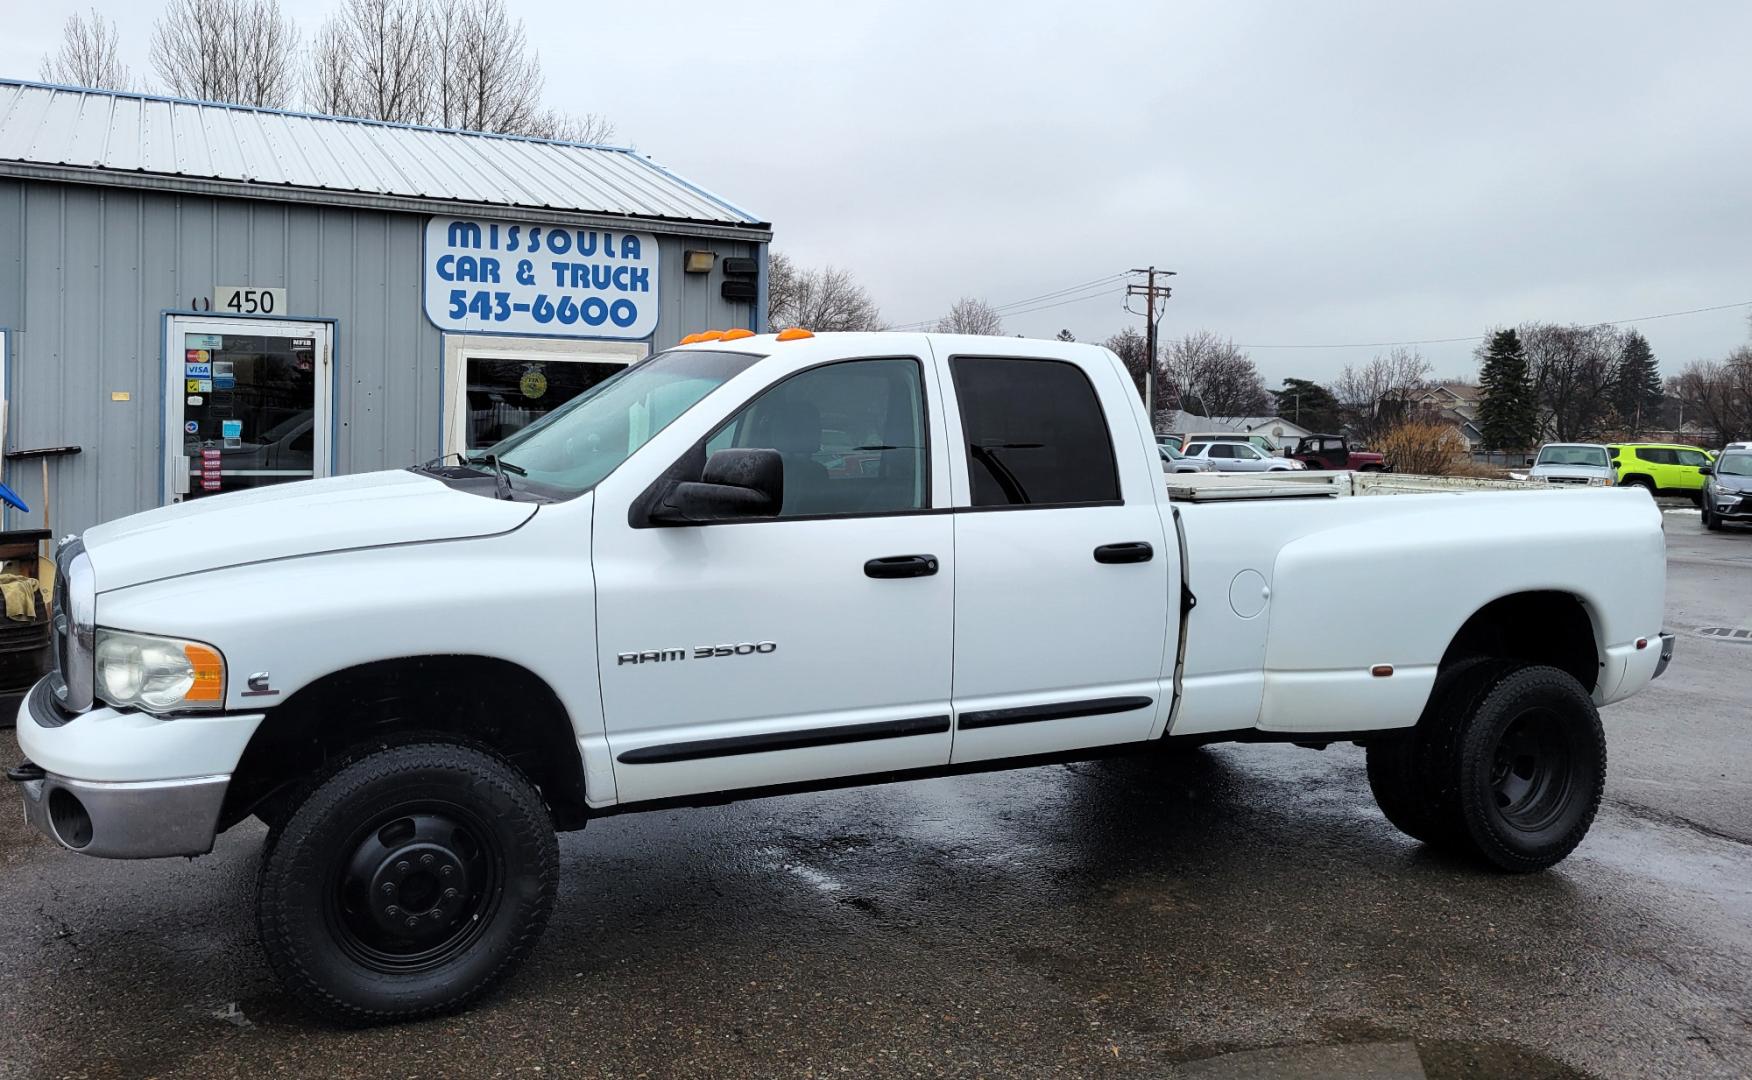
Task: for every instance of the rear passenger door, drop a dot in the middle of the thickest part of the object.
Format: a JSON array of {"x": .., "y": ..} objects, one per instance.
[{"x": 1064, "y": 572}]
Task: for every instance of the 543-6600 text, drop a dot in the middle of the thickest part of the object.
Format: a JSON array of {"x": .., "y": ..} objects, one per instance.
[{"x": 492, "y": 306}]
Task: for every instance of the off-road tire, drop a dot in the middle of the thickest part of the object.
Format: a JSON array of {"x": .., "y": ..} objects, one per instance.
[{"x": 422, "y": 808}]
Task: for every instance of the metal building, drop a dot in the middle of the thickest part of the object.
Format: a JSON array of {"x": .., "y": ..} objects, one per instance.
[{"x": 210, "y": 297}]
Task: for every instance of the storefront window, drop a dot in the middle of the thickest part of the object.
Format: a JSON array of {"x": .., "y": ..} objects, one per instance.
[{"x": 506, "y": 396}]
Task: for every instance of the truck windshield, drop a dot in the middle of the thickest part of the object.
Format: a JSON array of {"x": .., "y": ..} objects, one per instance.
[
  {"x": 569, "y": 451},
  {"x": 1573, "y": 455}
]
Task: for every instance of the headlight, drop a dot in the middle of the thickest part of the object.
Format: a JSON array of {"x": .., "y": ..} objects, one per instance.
[{"x": 158, "y": 674}]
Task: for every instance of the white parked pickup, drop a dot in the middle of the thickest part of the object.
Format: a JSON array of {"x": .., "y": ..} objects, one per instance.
[{"x": 758, "y": 564}]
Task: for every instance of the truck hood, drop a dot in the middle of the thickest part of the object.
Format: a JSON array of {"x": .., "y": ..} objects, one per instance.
[{"x": 309, "y": 517}]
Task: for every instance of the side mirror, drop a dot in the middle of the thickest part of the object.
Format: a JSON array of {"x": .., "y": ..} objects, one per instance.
[
  {"x": 1707, "y": 470},
  {"x": 736, "y": 484},
  {"x": 1529, "y": 461}
]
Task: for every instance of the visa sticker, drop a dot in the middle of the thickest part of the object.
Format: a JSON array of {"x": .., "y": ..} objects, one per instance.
[
  {"x": 197, "y": 370},
  {"x": 193, "y": 427},
  {"x": 231, "y": 429}
]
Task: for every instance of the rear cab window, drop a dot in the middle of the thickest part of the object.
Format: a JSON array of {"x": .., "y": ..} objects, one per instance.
[{"x": 1035, "y": 433}]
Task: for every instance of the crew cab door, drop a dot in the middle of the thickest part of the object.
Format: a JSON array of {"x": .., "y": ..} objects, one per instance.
[
  {"x": 812, "y": 644},
  {"x": 1064, "y": 571}
]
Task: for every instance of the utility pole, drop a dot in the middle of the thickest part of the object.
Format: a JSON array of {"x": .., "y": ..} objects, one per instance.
[{"x": 1150, "y": 291}]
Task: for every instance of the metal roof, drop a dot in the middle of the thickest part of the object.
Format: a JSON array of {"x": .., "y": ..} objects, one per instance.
[{"x": 109, "y": 137}]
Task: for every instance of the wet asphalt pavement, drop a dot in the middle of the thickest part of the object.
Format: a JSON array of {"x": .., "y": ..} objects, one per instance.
[{"x": 1232, "y": 912}]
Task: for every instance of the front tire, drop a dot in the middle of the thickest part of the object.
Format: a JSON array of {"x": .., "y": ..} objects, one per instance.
[
  {"x": 407, "y": 884},
  {"x": 1710, "y": 521}
]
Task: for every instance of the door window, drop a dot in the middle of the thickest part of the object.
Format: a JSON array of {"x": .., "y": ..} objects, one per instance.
[
  {"x": 1222, "y": 450},
  {"x": 852, "y": 436},
  {"x": 248, "y": 402},
  {"x": 1692, "y": 457},
  {"x": 1656, "y": 455},
  {"x": 1035, "y": 433}
]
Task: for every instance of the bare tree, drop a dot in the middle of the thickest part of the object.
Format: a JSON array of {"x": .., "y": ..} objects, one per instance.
[
  {"x": 238, "y": 51},
  {"x": 488, "y": 76},
  {"x": 373, "y": 58},
  {"x": 971, "y": 316},
  {"x": 1211, "y": 376},
  {"x": 593, "y": 128},
  {"x": 1719, "y": 393},
  {"x": 826, "y": 299},
  {"x": 1131, "y": 348},
  {"x": 1573, "y": 370},
  {"x": 90, "y": 55},
  {"x": 1379, "y": 395}
]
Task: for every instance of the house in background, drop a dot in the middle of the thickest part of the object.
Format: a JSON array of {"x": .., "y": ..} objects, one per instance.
[
  {"x": 1284, "y": 434},
  {"x": 1455, "y": 404}
]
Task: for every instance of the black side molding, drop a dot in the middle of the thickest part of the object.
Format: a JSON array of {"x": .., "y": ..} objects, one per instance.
[
  {"x": 1064, "y": 710},
  {"x": 784, "y": 740}
]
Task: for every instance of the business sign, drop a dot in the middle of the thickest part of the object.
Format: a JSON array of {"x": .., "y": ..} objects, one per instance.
[{"x": 543, "y": 280}]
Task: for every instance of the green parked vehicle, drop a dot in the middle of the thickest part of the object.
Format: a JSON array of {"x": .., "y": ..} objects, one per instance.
[{"x": 1663, "y": 468}]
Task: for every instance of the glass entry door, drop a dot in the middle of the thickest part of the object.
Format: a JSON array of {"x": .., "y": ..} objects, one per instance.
[{"x": 247, "y": 404}]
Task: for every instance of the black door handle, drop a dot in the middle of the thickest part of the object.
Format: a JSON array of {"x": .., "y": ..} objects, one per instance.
[
  {"x": 897, "y": 566},
  {"x": 1136, "y": 551}
]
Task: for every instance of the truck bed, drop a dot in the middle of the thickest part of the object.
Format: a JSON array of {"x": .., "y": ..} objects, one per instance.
[{"x": 1314, "y": 484}]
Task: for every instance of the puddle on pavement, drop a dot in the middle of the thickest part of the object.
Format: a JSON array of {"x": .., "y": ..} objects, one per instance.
[{"x": 1423, "y": 1059}]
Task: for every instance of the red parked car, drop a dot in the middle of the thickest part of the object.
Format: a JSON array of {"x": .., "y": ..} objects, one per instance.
[{"x": 1333, "y": 452}]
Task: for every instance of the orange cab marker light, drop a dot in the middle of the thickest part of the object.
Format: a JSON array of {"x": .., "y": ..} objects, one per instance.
[
  {"x": 711, "y": 335},
  {"x": 691, "y": 339},
  {"x": 209, "y": 673},
  {"x": 737, "y": 334},
  {"x": 795, "y": 333}
]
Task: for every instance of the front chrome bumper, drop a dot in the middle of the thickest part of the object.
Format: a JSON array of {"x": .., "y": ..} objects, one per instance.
[{"x": 115, "y": 820}]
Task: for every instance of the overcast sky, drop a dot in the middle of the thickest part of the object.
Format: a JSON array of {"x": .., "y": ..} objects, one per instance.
[{"x": 1316, "y": 173}]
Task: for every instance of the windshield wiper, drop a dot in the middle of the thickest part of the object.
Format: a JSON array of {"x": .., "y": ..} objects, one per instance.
[{"x": 500, "y": 468}]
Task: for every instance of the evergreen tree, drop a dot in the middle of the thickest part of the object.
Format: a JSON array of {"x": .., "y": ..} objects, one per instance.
[
  {"x": 1066, "y": 335},
  {"x": 1636, "y": 385},
  {"x": 1508, "y": 410},
  {"x": 1309, "y": 404}
]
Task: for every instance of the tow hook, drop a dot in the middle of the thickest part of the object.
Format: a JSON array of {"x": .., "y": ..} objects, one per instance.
[
  {"x": 1668, "y": 641},
  {"x": 24, "y": 772}
]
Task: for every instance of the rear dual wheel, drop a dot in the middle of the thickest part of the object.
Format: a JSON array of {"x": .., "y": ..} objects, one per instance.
[{"x": 1508, "y": 764}]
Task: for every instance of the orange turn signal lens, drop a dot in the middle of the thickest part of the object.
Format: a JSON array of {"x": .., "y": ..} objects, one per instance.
[
  {"x": 691, "y": 339},
  {"x": 209, "y": 673},
  {"x": 795, "y": 333},
  {"x": 710, "y": 335},
  {"x": 737, "y": 334}
]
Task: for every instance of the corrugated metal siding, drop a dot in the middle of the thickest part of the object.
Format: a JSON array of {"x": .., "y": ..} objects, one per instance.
[
  {"x": 87, "y": 272},
  {"x": 135, "y": 134}
]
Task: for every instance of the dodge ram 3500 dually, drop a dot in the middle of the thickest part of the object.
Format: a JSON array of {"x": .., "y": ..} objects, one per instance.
[{"x": 764, "y": 564}]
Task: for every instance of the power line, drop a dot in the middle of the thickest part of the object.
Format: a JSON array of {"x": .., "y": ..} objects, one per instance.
[
  {"x": 1005, "y": 308},
  {"x": 1481, "y": 337}
]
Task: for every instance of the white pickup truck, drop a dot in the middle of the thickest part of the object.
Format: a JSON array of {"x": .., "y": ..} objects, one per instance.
[{"x": 755, "y": 565}]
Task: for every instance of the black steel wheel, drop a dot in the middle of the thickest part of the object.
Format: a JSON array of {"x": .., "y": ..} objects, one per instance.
[
  {"x": 413, "y": 889},
  {"x": 407, "y": 883},
  {"x": 1529, "y": 768}
]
